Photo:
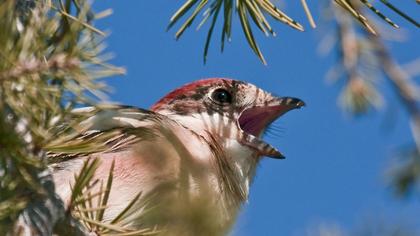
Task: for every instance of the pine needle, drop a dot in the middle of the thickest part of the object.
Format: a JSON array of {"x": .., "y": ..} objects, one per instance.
[{"x": 256, "y": 10}]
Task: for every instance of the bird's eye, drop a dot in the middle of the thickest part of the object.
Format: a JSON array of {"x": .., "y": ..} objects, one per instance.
[{"x": 221, "y": 96}]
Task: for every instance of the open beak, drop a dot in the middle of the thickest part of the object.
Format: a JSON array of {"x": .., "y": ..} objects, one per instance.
[{"x": 254, "y": 120}]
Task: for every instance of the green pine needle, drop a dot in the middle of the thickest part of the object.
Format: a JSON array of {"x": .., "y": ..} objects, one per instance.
[{"x": 256, "y": 11}]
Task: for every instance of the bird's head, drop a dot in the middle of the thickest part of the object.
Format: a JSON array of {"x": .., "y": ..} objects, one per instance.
[{"x": 229, "y": 110}]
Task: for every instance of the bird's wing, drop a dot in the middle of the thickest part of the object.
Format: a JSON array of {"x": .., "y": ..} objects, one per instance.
[{"x": 103, "y": 129}]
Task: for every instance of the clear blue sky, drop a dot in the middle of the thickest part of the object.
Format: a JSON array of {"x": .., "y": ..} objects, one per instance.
[{"x": 334, "y": 171}]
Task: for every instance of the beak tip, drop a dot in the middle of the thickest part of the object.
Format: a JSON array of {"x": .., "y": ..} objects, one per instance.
[
  {"x": 292, "y": 102},
  {"x": 277, "y": 155},
  {"x": 301, "y": 104},
  {"x": 297, "y": 103}
]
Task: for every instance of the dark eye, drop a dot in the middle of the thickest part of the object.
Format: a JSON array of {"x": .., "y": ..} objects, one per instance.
[{"x": 221, "y": 96}]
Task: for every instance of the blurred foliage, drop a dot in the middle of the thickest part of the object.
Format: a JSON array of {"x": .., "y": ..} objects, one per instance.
[
  {"x": 404, "y": 173},
  {"x": 370, "y": 226},
  {"x": 89, "y": 201},
  {"x": 363, "y": 63},
  {"x": 50, "y": 60}
]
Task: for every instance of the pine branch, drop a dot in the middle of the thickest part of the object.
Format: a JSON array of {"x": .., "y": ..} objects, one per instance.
[
  {"x": 30, "y": 67},
  {"x": 364, "y": 56},
  {"x": 49, "y": 62},
  {"x": 255, "y": 11}
]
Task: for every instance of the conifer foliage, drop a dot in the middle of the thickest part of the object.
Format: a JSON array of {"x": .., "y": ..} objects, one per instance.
[{"x": 51, "y": 57}]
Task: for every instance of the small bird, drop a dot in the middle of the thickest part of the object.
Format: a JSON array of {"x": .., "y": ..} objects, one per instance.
[{"x": 192, "y": 156}]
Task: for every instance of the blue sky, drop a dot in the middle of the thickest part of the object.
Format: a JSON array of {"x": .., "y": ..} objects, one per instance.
[{"x": 335, "y": 166}]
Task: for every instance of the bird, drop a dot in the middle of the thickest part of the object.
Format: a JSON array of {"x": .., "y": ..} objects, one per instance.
[{"x": 192, "y": 155}]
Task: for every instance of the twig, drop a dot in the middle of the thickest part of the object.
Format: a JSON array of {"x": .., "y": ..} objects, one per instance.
[
  {"x": 404, "y": 88},
  {"x": 401, "y": 81}
]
